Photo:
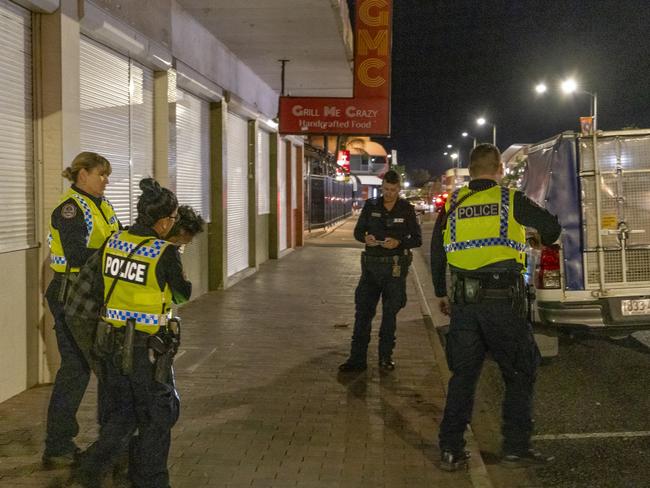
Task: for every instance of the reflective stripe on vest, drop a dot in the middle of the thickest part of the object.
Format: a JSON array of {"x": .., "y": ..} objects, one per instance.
[
  {"x": 97, "y": 230},
  {"x": 488, "y": 235},
  {"x": 141, "y": 318},
  {"x": 152, "y": 251}
]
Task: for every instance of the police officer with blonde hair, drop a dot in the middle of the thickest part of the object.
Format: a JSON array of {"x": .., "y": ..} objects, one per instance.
[
  {"x": 79, "y": 225},
  {"x": 481, "y": 233}
]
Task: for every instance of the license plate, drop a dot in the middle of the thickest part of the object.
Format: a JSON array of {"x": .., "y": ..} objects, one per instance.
[{"x": 635, "y": 307}]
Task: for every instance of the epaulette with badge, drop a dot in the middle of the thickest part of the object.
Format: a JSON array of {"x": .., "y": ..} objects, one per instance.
[{"x": 69, "y": 209}]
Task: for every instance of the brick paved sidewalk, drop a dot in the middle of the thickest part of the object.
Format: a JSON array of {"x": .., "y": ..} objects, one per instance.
[{"x": 263, "y": 405}]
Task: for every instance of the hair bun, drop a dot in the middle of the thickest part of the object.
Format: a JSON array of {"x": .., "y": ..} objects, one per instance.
[
  {"x": 149, "y": 185},
  {"x": 68, "y": 174}
]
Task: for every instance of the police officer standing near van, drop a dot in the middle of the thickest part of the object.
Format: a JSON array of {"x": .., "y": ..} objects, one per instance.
[
  {"x": 388, "y": 227},
  {"x": 481, "y": 234}
]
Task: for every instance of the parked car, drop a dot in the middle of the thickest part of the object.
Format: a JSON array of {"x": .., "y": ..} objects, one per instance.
[
  {"x": 420, "y": 205},
  {"x": 440, "y": 200}
]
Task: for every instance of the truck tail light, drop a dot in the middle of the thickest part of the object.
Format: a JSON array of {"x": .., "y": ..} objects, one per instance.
[{"x": 548, "y": 270}]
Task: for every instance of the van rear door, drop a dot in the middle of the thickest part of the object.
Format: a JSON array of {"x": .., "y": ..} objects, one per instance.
[{"x": 615, "y": 193}]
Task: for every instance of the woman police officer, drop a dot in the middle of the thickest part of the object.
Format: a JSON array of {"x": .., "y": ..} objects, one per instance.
[
  {"x": 79, "y": 225},
  {"x": 141, "y": 272}
]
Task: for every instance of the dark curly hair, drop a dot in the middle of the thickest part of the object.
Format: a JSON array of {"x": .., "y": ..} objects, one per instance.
[
  {"x": 392, "y": 177},
  {"x": 155, "y": 202},
  {"x": 188, "y": 221}
]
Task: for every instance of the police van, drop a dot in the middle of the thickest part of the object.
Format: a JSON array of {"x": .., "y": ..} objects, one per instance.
[{"x": 598, "y": 276}]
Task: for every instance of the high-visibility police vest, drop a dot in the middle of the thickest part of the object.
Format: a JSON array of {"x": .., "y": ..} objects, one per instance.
[
  {"x": 99, "y": 228},
  {"x": 483, "y": 230},
  {"x": 137, "y": 294}
]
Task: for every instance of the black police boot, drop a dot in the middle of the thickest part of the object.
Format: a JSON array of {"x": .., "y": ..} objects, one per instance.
[
  {"x": 522, "y": 459},
  {"x": 60, "y": 460},
  {"x": 386, "y": 364},
  {"x": 351, "y": 366},
  {"x": 453, "y": 461}
]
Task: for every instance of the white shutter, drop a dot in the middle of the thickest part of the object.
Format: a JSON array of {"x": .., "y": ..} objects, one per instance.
[
  {"x": 172, "y": 93},
  {"x": 237, "y": 191},
  {"x": 116, "y": 120},
  {"x": 104, "y": 117},
  {"x": 141, "y": 130},
  {"x": 193, "y": 152},
  {"x": 17, "y": 226},
  {"x": 282, "y": 190},
  {"x": 262, "y": 163},
  {"x": 294, "y": 202}
]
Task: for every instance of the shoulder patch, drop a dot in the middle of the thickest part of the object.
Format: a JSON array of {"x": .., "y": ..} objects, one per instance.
[{"x": 68, "y": 211}]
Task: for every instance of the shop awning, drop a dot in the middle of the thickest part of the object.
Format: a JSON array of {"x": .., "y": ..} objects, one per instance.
[{"x": 369, "y": 180}]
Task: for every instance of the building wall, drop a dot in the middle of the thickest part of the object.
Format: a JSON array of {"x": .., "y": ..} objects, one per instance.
[
  {"x": 167, "y": 23},
  {"x": 19, "y": 298},
  {"x": 262, "y": 239},
  {"x": 28, "y": 352}
]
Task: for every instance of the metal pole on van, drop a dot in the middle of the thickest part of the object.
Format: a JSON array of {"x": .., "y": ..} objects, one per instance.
[{"x": 599, "y": 230}]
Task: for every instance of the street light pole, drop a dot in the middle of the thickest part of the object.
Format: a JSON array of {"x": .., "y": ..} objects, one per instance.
[
  {"x": 594, "y": 109},
  {"x": 481, "y": 121}
]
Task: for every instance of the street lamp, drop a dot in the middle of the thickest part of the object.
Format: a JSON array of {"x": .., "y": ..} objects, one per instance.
[
  {"x": 481, "y": 121},
  {"x": 541, "y": 88},
  {"x": 570, "y": 86}
]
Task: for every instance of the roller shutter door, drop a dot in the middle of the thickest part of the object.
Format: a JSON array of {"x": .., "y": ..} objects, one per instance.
[
  {"x": 193, "y": 152},
  {"x": 237, "y": 194},
  {"x": 294, "y": 168},
  {"x": 262, "y": 172},
  {"x": 282, "y": 197},
  {"x": 116, "y": 120},
  {"x": 141, "y": 130},
  {"x": 17, "y": 227}
]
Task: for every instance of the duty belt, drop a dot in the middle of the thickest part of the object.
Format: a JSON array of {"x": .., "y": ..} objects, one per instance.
[
  {"x": 403, "y": 259},
  {"x": 492, "y": 281}
]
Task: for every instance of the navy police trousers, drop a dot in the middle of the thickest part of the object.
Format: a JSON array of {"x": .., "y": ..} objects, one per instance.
[
  {"x": 494, "y": 326},
  {"x": 377, "y": 281}
]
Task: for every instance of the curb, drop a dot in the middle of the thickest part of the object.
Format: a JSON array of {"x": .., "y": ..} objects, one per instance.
[
  {"x": 316, "y": 234},
  {"x": 477, "y": 470}
]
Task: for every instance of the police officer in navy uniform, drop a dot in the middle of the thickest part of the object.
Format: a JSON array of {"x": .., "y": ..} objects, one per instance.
[
  {"x": 389, "y": 228},
  {"x": 142, "y": 275},
  {"x": 481, "y": 234},
  {"x": 79, "y": 225}
]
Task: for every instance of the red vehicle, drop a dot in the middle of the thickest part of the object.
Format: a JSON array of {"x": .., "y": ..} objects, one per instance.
[{"x": 440, "y": 200}]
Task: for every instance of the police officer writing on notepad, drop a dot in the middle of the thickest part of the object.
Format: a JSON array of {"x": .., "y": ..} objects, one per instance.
[
  {"x": 389, "y": 229},
  {"x": 481, "y": 234}
]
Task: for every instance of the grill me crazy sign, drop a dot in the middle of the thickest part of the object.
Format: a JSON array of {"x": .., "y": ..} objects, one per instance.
[{"x": 368, "y": 111}]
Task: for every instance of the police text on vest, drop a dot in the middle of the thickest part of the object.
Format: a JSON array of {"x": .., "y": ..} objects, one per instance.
[
  {"x": 485, "y": 210},
  {"x": 126, "y": 269}
]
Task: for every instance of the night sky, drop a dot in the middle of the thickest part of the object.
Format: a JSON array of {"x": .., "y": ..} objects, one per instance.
[{"x": 454, "y": 61}]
